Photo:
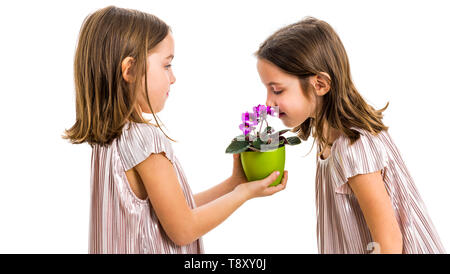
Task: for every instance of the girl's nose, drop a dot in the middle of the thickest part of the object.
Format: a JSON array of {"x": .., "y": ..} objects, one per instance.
[
  {"x": 269, "y": 99},
  {"x": 172, "y": 79}
]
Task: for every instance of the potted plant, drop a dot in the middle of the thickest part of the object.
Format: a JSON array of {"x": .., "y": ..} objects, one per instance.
[{"x": 261, "y": 152}]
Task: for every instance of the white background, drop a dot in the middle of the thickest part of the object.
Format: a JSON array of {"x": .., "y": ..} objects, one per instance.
[{"x": 398, "y": 50}]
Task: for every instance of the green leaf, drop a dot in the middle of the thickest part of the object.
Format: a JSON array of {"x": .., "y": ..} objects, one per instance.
[
  {"x": 282, "y": 140},
  {"x": 257, "y": 144},
  {"x": 294, "y": 140},
  {"x": 237, "y": 147}
]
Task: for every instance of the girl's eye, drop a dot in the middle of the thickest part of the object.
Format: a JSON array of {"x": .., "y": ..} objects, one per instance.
[
  {"x": 277, "y": 91},
  {"x": 168, "y": 66}
]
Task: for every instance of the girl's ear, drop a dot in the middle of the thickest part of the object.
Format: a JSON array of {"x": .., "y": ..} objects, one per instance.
[
  {"x": 321, "y": 83},
  {"x": 128, "y": 69}
]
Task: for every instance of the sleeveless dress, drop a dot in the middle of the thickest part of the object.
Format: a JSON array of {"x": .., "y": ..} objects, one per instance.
[
  {"x": 120, "y": 222},
  {"x": 341, "y": 227}
]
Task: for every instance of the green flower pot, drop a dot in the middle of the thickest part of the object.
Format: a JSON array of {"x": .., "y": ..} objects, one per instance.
[{"x": 258, "y": 165}]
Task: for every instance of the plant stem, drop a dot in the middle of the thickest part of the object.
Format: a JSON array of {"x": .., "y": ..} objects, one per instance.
[
  {"x": 252, "y": 148},
  {"x": 262, "y": 122}
]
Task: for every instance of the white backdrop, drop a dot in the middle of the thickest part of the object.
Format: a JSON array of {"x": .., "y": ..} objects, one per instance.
[{"x": 398, "y": 52}]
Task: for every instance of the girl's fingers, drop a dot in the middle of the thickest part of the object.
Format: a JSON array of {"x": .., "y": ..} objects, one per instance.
[
  {"x": 236, "y": 161},
  {"x": 285, "y": 178},
  {"x": 271, "y": 178},
  {"x": 283, "y": 182},
  {"x": 274, "y": 189}
]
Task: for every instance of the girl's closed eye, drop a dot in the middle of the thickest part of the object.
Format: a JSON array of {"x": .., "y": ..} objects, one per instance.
[
  {"x": 274, "y": 90},
  {"x": 277, "y": 91},
  {"x": 168, "y": 66}
]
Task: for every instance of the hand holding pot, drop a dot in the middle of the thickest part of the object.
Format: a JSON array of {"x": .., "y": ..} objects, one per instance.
[
  {"x": 261, "y": 188},
  {"x": 238, "y": 175}
]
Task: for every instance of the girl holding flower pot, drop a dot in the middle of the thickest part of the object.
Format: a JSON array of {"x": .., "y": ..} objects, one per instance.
[
  {"x": 140, "y": 199},
  {"x": 261, "y": 151},
  {"x": 365, "y": 196}
]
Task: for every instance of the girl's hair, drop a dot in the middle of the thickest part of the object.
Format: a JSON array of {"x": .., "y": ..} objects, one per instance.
[
  {"x": 104, "y": 100},
  {"x": 307, "y": 48}
]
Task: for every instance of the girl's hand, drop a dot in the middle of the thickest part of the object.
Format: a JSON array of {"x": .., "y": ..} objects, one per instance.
[
  {"x": 238, "y": 175},
  {"x": 261, "y": 188}
]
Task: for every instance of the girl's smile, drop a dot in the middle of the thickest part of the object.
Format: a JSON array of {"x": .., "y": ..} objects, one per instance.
[
  {"x": 285, "y": 91},
  {"x": 296, "y": 102}
]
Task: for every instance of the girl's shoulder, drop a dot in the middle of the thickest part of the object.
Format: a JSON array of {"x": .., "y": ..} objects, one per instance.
[
  {"x": 368, "y": 147},
  {"x": 138, "y": 140},
  {"x": 133, "y": 126},
  {"x": 366, "y": 155},
  {"x": 365, "y": 139},
  {"x": 141, "y": 133}
]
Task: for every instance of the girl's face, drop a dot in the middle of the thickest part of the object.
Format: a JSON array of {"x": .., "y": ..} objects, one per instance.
[
  {"x": 284, "y": 90},
  {"x": 159, "y": 75}
]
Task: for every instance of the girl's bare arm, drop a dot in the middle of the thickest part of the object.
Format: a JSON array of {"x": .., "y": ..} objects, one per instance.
[
  {"x": 223, "y": 188},
  {"x": 376, "y": 206},
  {"x": 182, "y": 224}
]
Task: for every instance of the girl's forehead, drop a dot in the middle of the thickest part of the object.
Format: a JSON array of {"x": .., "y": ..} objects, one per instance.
[
  {"x": 269, "y": 67},
  {"x": 166, "y": 47},
  {"x": 271, "y": 74}
]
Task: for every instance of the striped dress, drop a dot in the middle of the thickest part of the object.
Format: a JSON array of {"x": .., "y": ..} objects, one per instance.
[
  {"x": 120, "y": 222},
  {"x": 341, "y": 227}
]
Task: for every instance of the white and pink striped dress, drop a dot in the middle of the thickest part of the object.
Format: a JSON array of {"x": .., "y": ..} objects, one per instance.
[
  {"x": 341, "y": 227},
  {"x": 120, "y": 222}
]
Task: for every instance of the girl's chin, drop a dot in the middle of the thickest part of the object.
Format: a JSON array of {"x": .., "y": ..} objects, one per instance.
[
  {"x": 148, "y": 111},
  {"x": 288, "y": 122}
]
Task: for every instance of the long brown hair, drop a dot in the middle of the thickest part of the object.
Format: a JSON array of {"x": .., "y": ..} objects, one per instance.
[
  {"x": 104, "y": 100},
  {"x": 307, "y": 48}
]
